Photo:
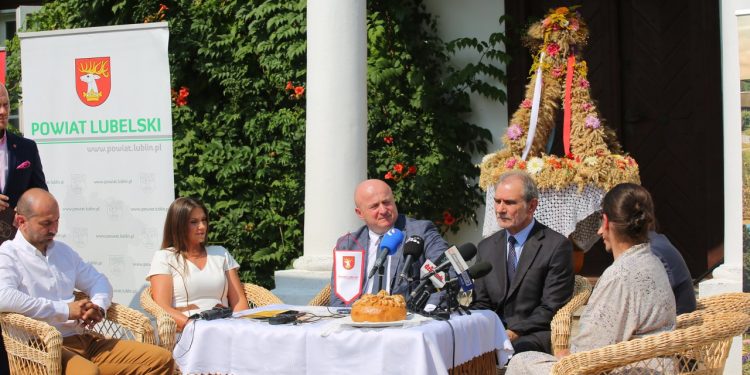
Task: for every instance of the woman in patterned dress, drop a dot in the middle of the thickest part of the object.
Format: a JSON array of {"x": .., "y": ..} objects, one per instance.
[{"x": 632, "y": 297}]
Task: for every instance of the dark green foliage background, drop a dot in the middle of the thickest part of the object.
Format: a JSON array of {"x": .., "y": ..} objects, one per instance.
[{"x": 239, "y": 142}]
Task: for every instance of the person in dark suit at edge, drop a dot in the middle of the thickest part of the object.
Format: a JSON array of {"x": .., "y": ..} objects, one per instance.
[
  {"x": 677, "y": 271},
  {"x": 532, "y": 270},
  {"x": 20, "y": 170}
]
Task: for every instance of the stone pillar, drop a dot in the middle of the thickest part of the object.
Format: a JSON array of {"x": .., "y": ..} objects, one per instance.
[
  {"x": 728, "y": 277},
  {"x": 336, "y": 139}
]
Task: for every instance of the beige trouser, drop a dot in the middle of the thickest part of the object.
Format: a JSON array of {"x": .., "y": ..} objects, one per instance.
[{"x": 87, "y": 354}]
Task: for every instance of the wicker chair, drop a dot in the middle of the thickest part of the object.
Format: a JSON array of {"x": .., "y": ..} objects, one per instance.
[
  {"x": 35, "y": 347},
  {"x": 167, "y": 328},
  {"x": 737, "y": 302},
  {"x": 701, "y": 347},
  {"x": 323, "y": 298},
  {"x": 562, "y": 322}
]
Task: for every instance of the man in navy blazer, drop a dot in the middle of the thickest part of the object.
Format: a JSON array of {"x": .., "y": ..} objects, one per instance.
[
  {"x": 20, "y": 169},
  {"x": 374, "y": 204},
  {"x": 526, "y": 287}
]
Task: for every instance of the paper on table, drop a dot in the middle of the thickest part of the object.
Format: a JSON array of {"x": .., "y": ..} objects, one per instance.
[{"x": 264, "y": 314}]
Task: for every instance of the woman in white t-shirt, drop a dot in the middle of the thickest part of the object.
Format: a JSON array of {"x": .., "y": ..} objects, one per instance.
[{"x": 188, "y": 277}]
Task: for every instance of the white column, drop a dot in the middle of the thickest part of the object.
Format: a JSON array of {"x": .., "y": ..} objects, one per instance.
[
  {"x": 336, "y": 139},
  {"x": 728, "y": 277}
]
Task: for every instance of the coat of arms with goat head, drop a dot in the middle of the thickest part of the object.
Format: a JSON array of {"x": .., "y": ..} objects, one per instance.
[{"x": 93, "y": 80}]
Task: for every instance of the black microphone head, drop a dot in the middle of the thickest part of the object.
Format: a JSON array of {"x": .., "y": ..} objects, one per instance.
[
  {"x": 414, "y": 246},
  {"x": 479, "y": 270},
  {"x": 468, "y": 251}
]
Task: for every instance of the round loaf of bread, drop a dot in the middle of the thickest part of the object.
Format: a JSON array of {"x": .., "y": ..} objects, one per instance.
[{"x": 379, "y": 308}]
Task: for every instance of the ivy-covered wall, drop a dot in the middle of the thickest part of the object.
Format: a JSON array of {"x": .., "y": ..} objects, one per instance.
[{"x": 238, "y": 78}]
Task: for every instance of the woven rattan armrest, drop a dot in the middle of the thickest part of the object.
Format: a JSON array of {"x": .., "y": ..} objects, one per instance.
[
  {"x": 323, "y": 298},
  {"x": 32, "y": 345},
  {"x": 714, "y": 331},
  {"x": 165, "y": 325},
  {"x": 260, "y": 296},
  {"x": 562, "y": 322}
]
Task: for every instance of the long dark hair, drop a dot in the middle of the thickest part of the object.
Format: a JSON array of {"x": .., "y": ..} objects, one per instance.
[
  {"x": 630, "y": 211},
  {"x": 177, "y": 223}
]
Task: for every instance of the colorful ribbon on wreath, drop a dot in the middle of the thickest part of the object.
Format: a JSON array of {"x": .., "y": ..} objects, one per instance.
[
  {"x": 535, "y": 102},
  {"x": 534, "y": 108},
  {"x": 567, "y": 104}
]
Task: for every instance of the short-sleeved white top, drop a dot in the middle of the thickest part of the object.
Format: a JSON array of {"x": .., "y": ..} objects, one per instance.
[{"x": 190, "y": 285}]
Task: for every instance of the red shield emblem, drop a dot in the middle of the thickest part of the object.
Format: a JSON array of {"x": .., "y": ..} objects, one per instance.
[
  {"x": 348, "y": 262},
  {"x": 93, "y": 80}
]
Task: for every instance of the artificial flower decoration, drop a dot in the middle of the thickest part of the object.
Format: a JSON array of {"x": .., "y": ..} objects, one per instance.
[
  {"x": 535, "y": 165},
  {"x": 514, "y": 132},
  {"x": 553, "y": 49},
  {"x": 592, "y": 122},
  {"x": 592, "y": 150}
]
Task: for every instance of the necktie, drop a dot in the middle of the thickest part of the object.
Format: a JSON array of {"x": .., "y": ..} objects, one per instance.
[
  {"x": 376, "y": 280},
  {"x": 512, "y": 258}
]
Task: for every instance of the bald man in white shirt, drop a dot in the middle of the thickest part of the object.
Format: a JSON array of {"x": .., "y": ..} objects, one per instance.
[{"x": 37, "y": 278}]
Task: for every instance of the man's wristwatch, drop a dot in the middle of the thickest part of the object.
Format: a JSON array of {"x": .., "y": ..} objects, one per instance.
[{"x": 102, "y": 312}]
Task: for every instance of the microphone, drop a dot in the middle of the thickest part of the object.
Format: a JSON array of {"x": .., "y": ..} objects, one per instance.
[
  {"x": 467, "y": 251},
  {"x": 466, "y": 283},
  {"x": 413, "y": 249},
  {"x": 477, "y": 271},
  {"x": 388, "y": 246}
]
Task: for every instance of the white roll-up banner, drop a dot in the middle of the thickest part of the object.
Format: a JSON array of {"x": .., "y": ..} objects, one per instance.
[{"x": 97, "y": 102}]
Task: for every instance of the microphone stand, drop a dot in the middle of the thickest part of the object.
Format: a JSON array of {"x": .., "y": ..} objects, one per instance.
[
  {"x": 409, "y": 281},
  {"x": 381, "y": 273},
  {"x": 452, "y": 295}
]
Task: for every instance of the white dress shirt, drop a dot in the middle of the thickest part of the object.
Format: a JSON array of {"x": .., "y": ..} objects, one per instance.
[
  {"x": 372, "y": 256},
  {"x": 41, "y": 287}
]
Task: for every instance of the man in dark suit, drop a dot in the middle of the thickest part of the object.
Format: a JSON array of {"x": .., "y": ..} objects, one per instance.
[
  {"x": 374, "y": 204},
  {"x": 20, "y": 170},
  {"x": 532, "y": 270},
  {"x": 20, "y": 166}
]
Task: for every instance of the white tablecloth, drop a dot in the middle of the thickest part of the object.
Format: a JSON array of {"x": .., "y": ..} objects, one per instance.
[{"x": 245, "y": 346}]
